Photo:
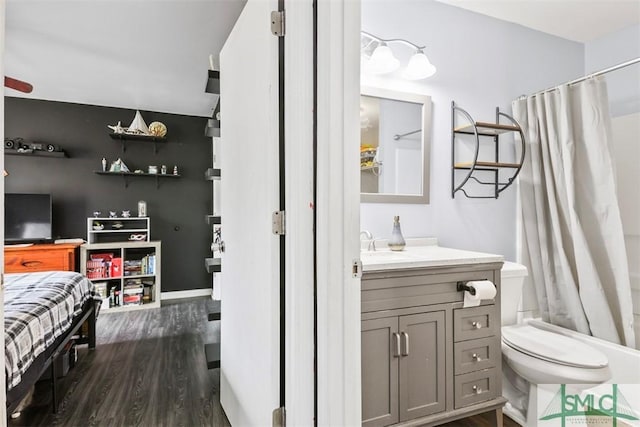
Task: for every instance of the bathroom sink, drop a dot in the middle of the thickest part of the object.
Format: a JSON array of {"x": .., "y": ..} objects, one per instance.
[{"x": 429, "y": 255}]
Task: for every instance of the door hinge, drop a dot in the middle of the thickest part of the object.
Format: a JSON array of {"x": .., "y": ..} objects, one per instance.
[
  {"x": 277, "y": 223},
  {"x": 277, "y": 23},
  {"x": 356, "y": 268},
  {"x": 278, "y": 418}
]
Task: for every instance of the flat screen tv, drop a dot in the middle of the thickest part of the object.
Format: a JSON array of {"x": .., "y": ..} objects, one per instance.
[{"x": 27, "y": 218}]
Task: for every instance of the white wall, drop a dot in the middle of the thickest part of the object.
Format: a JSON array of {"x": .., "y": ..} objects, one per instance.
[
  {"x": 624, "y": 102},
  {"x": 482, "y": 63},
  {"x": 624, "y": 84}
]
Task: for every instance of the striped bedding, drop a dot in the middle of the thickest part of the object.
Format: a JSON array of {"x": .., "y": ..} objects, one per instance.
[{"x": 39, "y": 308}]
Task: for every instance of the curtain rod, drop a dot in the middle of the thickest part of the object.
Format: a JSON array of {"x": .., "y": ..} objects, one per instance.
[{"x": 588, "y": 76}]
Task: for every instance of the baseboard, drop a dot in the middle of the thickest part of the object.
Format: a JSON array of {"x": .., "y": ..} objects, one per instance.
[{"x": 185, "y": 294}]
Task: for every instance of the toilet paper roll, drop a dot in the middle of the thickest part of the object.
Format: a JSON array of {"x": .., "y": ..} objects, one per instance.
[{"x": 485, "y": 289}]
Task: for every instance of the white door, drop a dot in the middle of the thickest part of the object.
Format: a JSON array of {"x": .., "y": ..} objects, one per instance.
[{"x": 250, "y": 327}]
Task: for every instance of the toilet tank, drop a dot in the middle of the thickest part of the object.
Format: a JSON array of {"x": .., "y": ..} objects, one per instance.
[{"x": 511, "y": 281}]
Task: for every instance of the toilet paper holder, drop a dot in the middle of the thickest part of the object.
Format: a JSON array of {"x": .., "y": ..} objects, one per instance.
[{"x": 462, "y": 286}]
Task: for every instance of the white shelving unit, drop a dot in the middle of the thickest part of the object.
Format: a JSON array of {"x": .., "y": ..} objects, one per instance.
[
  {"x": 104, "y": 230},
  {"x": 127, "y": 252}
]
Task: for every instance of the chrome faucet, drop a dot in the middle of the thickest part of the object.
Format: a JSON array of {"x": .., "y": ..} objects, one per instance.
[{"x": 369, "y": 236}]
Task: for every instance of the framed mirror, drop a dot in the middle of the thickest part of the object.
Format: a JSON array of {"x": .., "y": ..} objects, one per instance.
[{"x": 395, "y": 129}]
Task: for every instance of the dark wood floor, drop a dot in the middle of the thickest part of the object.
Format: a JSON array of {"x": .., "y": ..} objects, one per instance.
[
  {"x": 482, "y": 420},
  {"x": 148, "y": 370}
]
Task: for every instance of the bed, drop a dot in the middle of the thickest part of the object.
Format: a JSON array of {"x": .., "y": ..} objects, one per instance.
[{"x": 42, "y": 312}]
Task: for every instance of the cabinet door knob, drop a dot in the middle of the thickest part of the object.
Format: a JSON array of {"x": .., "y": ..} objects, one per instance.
[
  {"x": 476, "y": 358},
  {"x": 405, "y": 352},
  {"x": 476, "y": 325},
  {"x": 476, "y": 389},
  {"x": 396, "y": 338}
]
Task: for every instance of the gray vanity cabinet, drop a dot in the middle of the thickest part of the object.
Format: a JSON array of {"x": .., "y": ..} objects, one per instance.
[
  {"x": 380, "y": 341},
  {"x": 426, "y": 360},
  {"x": 403, "y": 367},
  {"x": 422, "y": 364}
]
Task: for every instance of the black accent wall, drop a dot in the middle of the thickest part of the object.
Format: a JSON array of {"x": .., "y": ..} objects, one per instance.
[{"x": 177, "y": 208}]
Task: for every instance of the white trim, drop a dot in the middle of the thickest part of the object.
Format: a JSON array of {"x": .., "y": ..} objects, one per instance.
[
  {"x": 338, "y": 213},
  {"x": 299, "y": 319},
  {"x": 191, "y": 293}
]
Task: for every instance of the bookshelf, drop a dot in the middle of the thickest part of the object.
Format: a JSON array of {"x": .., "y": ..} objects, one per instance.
[{"x": 125, "y": 274}]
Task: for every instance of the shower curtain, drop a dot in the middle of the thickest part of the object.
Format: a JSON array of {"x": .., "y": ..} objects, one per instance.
[{"x": 572, "y": 240}]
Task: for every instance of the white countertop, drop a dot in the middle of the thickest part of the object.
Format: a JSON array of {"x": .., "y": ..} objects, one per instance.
[{"x": 421, "y": 253}]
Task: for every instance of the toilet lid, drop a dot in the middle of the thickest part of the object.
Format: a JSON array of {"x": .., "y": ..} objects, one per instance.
[{"x": 553, "y": 347}]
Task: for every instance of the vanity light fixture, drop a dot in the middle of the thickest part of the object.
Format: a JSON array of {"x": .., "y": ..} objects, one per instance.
[{"x": 382, "y": 60}]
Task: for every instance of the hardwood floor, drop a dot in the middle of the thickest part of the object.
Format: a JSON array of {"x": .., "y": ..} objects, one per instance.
[{"x": 148, "y": 369}]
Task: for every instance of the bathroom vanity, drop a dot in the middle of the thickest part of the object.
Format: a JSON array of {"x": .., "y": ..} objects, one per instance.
[{"x": 426, "y": 359}]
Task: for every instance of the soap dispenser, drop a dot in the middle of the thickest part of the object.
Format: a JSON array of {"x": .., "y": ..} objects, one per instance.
[{"x": 396, "y": 242}]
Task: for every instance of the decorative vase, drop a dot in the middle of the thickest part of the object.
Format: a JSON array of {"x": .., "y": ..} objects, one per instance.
[
  {"x": 142, "y": 208},
  {"x": 396, "y": 242}
]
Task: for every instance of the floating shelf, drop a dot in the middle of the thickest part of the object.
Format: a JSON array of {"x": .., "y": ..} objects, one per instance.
[
  {"x": 212, "y": 355},
  {"x": 35, "y": 153},
  {"x": 213, "y": 219},
  {"x": 124, "y": 137},
  {"x": 212, "y": 174},
  {"x": 212, "y": 129},
  {"x": 128, "y": 175},
  {"x": 213, "y": 265},
  {"x": 484, "y": 129},
  {"x": 213, "y": 82}
]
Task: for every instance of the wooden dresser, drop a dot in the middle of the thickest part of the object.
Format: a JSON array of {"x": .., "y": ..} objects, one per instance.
[{"x": 44, "y": 257}]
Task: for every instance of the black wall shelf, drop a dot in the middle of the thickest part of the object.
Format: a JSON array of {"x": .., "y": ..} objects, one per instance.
[
  {"x": 36, "y": 153},
  {"x": 127, "y": 175},
  {"x": 124, "y": 138}
]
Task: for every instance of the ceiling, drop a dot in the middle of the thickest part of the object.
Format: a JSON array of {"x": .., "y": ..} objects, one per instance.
[
  {"x": 153, "y": 55},
  {"x": 147, "y": 55},
  {"x": 577, "y": 20}
]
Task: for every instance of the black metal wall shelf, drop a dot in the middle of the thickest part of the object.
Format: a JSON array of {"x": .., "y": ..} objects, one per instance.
[
  {"x": 35, "y": 153},
  {"x": 127, "y": 175},
  {"x": 494, "y": 166},
  {"x": 124, "y": 138}
]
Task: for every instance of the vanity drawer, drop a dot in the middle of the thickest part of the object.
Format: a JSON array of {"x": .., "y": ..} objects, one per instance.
[
  {"x": 475, "y": 387},
  {"x": 475, "y": 355},
  {"x": 474, "y": 322}
]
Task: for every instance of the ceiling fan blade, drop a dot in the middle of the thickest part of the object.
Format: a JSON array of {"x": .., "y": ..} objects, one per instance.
[{"x": 18, "y": 85}]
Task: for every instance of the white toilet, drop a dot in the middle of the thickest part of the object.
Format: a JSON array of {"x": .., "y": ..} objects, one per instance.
[{"x": 539, "y": 356}]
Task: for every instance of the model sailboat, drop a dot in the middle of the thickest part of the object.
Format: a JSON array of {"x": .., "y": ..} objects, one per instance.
[{"x": 138, "y": 126}]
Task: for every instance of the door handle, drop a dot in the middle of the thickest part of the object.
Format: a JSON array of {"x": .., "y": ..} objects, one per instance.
[
  {"x": 396, "y": 338},
  {"x": 405, "y": 352}
]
